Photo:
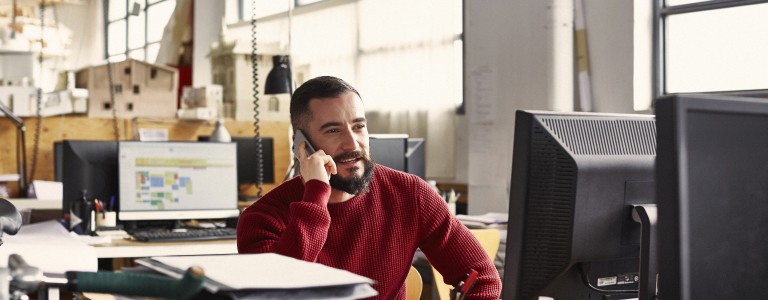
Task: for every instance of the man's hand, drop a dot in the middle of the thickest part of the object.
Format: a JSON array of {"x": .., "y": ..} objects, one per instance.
[{"x": 318, "y": 166}]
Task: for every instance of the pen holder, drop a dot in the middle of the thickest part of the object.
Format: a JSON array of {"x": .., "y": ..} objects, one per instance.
[{"x": 106, "y": 219}]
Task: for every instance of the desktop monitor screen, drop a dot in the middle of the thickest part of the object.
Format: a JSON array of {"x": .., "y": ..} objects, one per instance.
[
  {"x": 247, "y": 164},
  {"x": 177, "y": 180},
  {"x": 712, "y": 192},
  {"x": 89, "y": 166},
  {"x": 575, "y": 177}
]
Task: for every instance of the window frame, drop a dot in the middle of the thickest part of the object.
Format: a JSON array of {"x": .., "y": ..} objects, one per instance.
[
  {"x": 246, "y": 15},
  {"x": 145, "y": 45},
  {"x": 660, "y": 14}
]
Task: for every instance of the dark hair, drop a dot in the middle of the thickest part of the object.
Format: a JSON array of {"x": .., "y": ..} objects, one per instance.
[{"x": 315, "y": 88}]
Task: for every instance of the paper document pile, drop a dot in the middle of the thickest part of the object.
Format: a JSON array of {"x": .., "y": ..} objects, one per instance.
[
  {"x": 267, "y": 276},
  {"x": 488, "y": 220}
]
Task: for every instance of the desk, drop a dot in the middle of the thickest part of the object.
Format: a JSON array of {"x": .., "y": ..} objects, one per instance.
[
  {"x": 122, "y": 248},
  {"x": 122, "y": 251}
]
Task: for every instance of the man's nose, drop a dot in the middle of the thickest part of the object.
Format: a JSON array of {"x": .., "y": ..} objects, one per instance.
[{"x": 348, "y": 141}]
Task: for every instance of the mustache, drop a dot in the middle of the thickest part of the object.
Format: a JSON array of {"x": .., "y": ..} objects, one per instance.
[{"x": 348, "y": 155}]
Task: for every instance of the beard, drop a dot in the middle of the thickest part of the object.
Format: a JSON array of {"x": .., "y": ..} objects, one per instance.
[{"x": 355, "y": 184}]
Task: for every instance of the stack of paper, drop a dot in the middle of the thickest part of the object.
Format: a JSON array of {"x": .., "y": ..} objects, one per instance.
[
  {"x": 35, "y": 241},
  {"x": 267, "y": 276},
  {"x": 488, "y": 220}
]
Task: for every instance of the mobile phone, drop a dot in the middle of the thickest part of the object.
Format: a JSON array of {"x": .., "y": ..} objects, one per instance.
[{"x": 297, "y": 139}]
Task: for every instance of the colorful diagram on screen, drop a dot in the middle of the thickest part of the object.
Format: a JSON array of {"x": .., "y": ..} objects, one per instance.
[{"x": 157, "y": 189}]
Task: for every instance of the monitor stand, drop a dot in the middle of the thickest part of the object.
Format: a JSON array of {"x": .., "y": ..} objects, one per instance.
[{"x": 645, "y": 214}]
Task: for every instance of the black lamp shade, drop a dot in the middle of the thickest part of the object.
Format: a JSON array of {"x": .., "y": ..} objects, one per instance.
[{"x": 279, "y": 78}]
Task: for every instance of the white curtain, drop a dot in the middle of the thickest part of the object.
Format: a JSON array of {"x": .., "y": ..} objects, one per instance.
[{"x": 410, "y": 72}]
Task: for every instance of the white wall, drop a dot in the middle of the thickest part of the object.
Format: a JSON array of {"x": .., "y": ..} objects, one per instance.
[
  {"x": 518, "y": 56},
  {"x": 87, "y": 25},
  {"x": 207, "y": 25},
  {"x": 519, "y": 51}
]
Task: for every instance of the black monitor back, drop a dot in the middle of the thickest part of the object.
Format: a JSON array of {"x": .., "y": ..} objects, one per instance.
[
  {"x": 389, "y": 150},
  {"x": 89, "y": 166},
  {"x": 58, "y": 161},
  {"x": 575, "y": 177},
  {"x": 713, "y": 197},
  {"x": 415, "y": 157}
]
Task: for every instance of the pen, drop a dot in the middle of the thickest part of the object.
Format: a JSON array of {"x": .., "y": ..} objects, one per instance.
[
  {"x": 112, "y": 203},
  {"x": 464, "y": 286}
]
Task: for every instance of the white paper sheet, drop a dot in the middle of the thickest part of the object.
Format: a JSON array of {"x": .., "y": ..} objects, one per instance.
[
  {"x": 262, "y": 271},
  {"x": 49, "y": 246}
]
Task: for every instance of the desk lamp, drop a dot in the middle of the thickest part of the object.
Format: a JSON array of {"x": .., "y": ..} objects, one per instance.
[{"x": 21, "y": 149}]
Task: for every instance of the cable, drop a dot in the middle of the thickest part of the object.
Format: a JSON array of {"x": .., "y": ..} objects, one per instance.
[
  {"x": 112, "y": 101},
  {"x": 38, "y": 98},
  {"x": 256, "y": 127}
]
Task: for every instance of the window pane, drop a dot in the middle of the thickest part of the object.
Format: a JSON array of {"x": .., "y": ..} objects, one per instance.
[
  {"x": 116, "y": 38},
  {"x": 263, "y": 8},
  {"x": 117, "y": 9},
  {"x": 718, "y": 50},
  {"x": 136, "y": 31},
  {"x": 157, "y": 17},
  {"x": 305, "y": 2},
  {"x": 136, "y": 54},
  {"x": 117, "y": 58},
  {"x": 681, "y": 2},
  {"x": 152, "y": 50}
]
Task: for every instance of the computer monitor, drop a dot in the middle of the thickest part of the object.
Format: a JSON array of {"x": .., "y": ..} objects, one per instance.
[
  {"x": 415, "y": 157},
  {"x": 89, "y": 166},
  {"x": 58, "y": 161},
  {"x": 575, "y": 179},
  {"x": 398, "y": 152},
  {"x": 389, "y": 150},
  {"x": 247, "y": 164},
  {"x": 177, "y": 181},
  {"x": 712, "y": 192}
]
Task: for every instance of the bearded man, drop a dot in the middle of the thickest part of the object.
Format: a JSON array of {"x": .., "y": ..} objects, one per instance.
[{"x": 347, "y": 212}]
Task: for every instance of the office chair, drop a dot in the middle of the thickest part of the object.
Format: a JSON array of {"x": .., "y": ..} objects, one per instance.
[
  {"x": 489, "y": 239},
  {"x": 413, "y": 285}
]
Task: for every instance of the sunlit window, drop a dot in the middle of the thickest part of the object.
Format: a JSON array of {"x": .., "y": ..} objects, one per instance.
[
  {"x": 711, "y": 48},
  {"x": 135, "y": 28}
]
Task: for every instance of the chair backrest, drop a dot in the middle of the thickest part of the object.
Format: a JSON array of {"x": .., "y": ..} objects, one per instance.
[
  {"x": 489, "y": 239},
  {"x": 413, "y": 285}
]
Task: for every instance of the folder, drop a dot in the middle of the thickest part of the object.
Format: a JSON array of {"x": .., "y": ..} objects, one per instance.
[{"x": 267, "y": 276}]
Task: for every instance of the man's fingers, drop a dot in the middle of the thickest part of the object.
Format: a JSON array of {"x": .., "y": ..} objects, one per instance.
[
  {"x": 303, "y": 150},
  {"x": 330, "y": 165}
]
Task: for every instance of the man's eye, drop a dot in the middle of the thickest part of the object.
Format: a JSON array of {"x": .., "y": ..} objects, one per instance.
[
  {"x": 359, "y": 126},
  {"x": 334, "y": 130}
]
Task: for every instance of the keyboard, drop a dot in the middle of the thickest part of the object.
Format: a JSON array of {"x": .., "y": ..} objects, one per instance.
[{"x": 180, "y": 235}]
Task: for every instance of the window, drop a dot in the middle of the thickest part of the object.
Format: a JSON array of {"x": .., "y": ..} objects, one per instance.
[
  {"x": 135, "y": 27},
  {"x": 268, "y": 7},
  {"x": 711, "y": 46}
]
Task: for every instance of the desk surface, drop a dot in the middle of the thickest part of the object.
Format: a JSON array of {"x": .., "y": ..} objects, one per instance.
[
  {"x": 22, "y": 204},
  {"x": 121, "y": 248}
]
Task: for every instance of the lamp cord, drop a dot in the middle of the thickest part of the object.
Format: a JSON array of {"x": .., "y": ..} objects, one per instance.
[
  {"x": 38, "y": 100},
  {"x": 112, "y": 102},
  {"x": 256, "y": 126}
]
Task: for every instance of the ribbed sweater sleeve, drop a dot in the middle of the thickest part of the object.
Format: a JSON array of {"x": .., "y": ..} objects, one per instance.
[
  {"x": 452, "y": 249},
  {"x": 300, "y": 233}
]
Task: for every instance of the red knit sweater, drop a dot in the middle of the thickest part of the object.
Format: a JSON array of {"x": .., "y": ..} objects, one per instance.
[{"x": 374, "y": 234}]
